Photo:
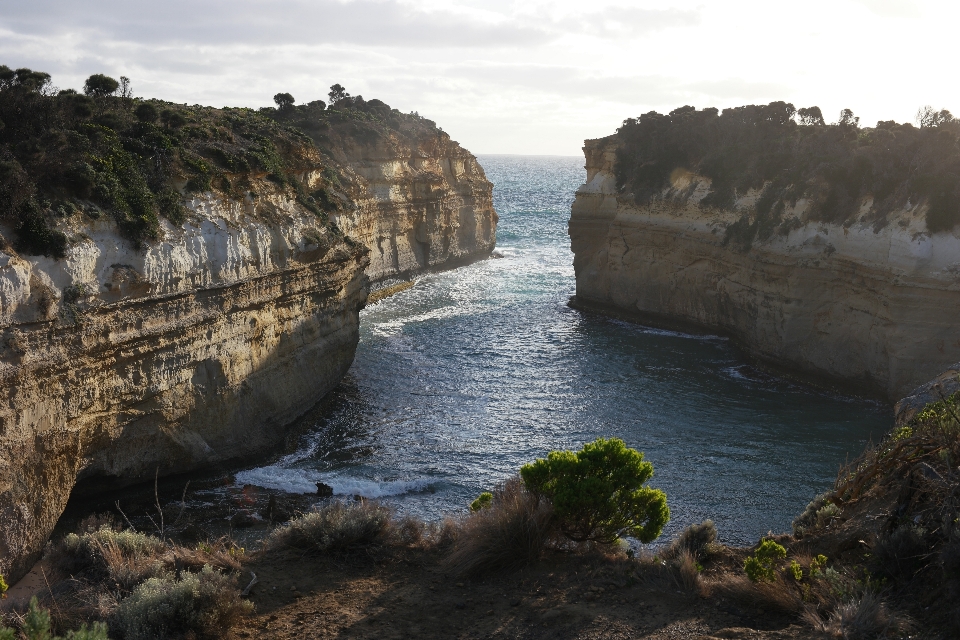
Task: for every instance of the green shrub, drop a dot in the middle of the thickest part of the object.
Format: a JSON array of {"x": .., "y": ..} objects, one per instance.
[
  {"x": 204, "y": 604},
  {"x": 762, "y": 564},
  {"x": 100, "y": 86},
  {"x": 36, "y": 626},
  {"x": 483, "y": 500},
  {"x": 3, "y": 587},
  {"x": 598, "y": 493},
  {"x": 337, "y": 527}
]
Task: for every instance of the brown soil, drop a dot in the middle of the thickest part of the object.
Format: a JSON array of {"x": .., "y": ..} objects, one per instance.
[{"x": 411, "y": 596}]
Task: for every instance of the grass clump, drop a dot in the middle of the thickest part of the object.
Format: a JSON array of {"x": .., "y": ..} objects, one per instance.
[
  {"x": 202, "y": 604},
  {"x": 511, "y": 531},
  {"x": 695, "y": 540},
  {"x": 337, "y": 527}
]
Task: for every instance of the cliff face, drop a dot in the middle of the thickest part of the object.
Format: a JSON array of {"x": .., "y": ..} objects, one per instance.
[
  {"x": 873, "y": 307},
  {"x": 161, "y": 344},
  {"x": 419, "y": 204},
  {"x": 121, "y": 363}
]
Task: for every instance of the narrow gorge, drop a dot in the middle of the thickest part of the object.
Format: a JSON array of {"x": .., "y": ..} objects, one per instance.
[
  {"x": 136, "y": 345},
  {"x": 840, "y": 263}
]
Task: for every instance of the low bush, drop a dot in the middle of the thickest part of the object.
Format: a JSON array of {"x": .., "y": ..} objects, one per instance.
[
  {"x": 511, "y": 532},
  {"x": 598, "y": 493},
  {"x": 337, "y": 527},
  {"x": 762, "y": 565},
  {"x": 482, "y": 501},
  {"x": 202, "y": 604}
]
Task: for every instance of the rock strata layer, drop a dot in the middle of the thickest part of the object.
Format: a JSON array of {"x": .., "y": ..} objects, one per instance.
[
  {"x": 419, "y": 207},
  {"x": 120, "y": 362},
  {"x": 872, "y": 308}
]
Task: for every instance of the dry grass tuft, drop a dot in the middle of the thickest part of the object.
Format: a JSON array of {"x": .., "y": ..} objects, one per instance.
[
  {"x": 338, "y": 527},
  {"x": 695, "y": 539},
  {"x": 865, "y": 618},
  {"x": 511, "y": 532},
  {"x": 773, "y": 595}
]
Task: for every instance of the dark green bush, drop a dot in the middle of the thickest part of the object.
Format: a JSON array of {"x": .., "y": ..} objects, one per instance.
[
  {"x": 598, "y": 493},
  {"x": 792, "y": 154},
  {"x": 99, "y": 85},
  {"x": 146, "y": 112}
]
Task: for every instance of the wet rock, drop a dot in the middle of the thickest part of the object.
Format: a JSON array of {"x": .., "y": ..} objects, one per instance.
[
  {"x": 324, "y": 490},
  {"x": 243, "y": 520}
]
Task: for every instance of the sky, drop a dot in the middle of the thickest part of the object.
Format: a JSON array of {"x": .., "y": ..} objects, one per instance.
[{"x": 501, "y": 76}]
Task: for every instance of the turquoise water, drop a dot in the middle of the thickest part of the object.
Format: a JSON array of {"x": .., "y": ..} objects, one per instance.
[{"x": 473, "y": 372}]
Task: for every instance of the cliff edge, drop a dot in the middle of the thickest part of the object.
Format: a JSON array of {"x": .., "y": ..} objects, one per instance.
[
  {"x": 178, "y": 284},
  {"x": 847, "y": 279}
]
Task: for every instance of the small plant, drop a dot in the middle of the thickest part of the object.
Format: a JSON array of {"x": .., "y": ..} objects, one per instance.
[
  {"x": 598, "y": 493},
  {"x": 696, "y": 538},
  {"x": 3, "y": 587},
  {"x": 36, "y": 626},
  {"x": 482, "y": 501},
  {"x": 796, "y": 571},
  {"x": 762, "y": 564},
  {"x": 817, "y": 565}
]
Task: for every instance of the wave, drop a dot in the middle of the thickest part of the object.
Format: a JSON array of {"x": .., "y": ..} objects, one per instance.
[{"x": 305, "y": 481}]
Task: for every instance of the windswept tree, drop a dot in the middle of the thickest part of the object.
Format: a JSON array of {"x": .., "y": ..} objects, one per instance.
[
  {"x": 810, "y": 116},
  {"x": 337, "y": 93},
  {"x": 847, "y": 119},
  {"x": 284, "y": 101},
  {"x": 927, "y": 117},
  {"x": 100, "y": 86}
]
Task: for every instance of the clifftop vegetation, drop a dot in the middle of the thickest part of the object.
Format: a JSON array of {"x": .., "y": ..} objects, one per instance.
[
  {"x": 790, "y": 154},
  {"x": 104, "y": 152}
]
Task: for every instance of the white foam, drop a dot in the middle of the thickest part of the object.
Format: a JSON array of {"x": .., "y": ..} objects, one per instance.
[{"x": 305, "y": 481}]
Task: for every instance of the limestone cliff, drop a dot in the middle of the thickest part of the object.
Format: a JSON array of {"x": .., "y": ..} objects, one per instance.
[
  {"x": 853, "y": 301},
  {"x": 421, "y": 205},
  {"x": 176, "y": 294}
]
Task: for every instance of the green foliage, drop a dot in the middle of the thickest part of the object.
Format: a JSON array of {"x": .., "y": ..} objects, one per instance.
[
  {"x": 762, "y": 564},
  {"x": 100, "y": 86},
  {"x": 796, "y": 571},
  {"x": 146, "y": 112},
  {"x": 3, "y": 587},
  {"x": 284, "y": 101},
  {"x": 598, "y": 493},
  {"x": 485, "y": 499},
  {"x": 788, "y": 154},
  {"x": 202, "y": 604},
  {"x": 36, "y": 626}
]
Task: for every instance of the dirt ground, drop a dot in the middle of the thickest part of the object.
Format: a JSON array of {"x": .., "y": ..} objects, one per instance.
[{"x": 565, "y": 596}]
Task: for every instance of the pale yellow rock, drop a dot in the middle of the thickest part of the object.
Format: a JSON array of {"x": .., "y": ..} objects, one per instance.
[
  {"x": 119, "y": 362},
  {"x": 873, "y": 309}
]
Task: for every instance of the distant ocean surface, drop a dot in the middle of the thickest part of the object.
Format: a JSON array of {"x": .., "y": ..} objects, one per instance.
[{"x": 474, "y": 372}]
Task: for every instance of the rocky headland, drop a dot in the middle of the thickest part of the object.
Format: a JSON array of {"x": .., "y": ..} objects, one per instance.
[
  {"x": 829, "y": 250},
  {"x": 178, "y": 284}
]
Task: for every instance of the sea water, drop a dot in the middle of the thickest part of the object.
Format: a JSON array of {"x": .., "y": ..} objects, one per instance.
[{"x": 473, "y": 372}]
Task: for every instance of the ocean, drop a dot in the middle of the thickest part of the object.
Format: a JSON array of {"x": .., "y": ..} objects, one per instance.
[{"x": 473, "y": 372}]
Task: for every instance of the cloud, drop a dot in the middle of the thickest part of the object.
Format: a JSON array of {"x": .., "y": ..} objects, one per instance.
[
  {"x": 376, "y": 23},
  {"x": 892, "y": 8}
]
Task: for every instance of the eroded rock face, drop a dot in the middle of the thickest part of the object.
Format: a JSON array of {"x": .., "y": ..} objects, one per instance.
[
  {"x": 197, "y": 349},
  {"x": 421, "y": 207},
  {"x": 871, "y": 308}
]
